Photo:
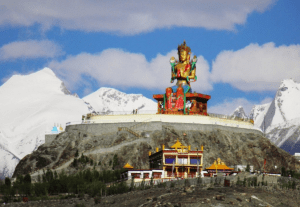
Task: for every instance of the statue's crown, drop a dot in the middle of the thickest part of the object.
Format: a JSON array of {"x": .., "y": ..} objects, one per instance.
[{"x": 183, "y": 46}]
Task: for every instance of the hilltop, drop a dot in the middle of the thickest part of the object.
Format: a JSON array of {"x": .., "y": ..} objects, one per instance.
[{"x": 233, "y": 145}]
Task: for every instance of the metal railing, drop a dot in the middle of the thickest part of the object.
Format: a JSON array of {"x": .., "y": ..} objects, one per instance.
[
  {"x": 126, "y": 112},
  {"x": 222, "y": 116}
]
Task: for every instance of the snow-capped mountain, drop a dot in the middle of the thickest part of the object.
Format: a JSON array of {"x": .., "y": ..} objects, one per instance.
[
  {"x": 239, "y": 112},
  {"x": 112, "y": 100},
  {"x": 30, "y": 105},
  {"x": 280, "y": 119}
]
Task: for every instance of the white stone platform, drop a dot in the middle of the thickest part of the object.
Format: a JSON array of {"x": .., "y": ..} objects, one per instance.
[{"x": 195, "y": 119}]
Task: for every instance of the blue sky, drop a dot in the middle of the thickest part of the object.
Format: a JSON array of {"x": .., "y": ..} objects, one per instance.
[{"x": 244, "y": 48}]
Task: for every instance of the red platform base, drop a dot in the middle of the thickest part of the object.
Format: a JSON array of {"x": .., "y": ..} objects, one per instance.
[{"x": 198, "y": 100}]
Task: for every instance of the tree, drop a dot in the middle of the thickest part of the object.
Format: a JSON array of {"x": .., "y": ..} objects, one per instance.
[
  {"x": 75, "y": 163},
  {"x": 283, "y": 173},
  {"x": 151, "y": 181},
  {"x": 76, "y": 154},
  {"x": 27, "y": 179},
  {"x": 248, "y": 168},
  {"x": 7, "y": 182},
  {"x": 294, "y": 185},
  {"x": 132, "y": 183},
  {"x": 49, "y": 175},
  {"x": 20, "y": 179},
  {"x": 115, "y": 161},
  {"x": 55, "y": 175}
]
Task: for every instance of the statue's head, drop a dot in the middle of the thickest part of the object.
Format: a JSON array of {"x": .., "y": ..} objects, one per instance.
[{"x": 184, "y": 52}]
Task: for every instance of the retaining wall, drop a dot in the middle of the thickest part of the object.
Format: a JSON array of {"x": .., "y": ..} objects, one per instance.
[{"x": 104, "y": 128}]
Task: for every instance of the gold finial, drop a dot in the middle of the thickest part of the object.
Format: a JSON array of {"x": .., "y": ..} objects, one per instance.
[
  {"x": 156, "y": 149},
  {"x": 149, "y": 153},
  {"x": 163, "y": 147}
]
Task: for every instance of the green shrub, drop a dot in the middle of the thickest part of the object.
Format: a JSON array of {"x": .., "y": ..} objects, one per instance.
[
  {"x": 162, "y": 185},
  {"x": 97, "y": 200},
  {"x": 172, "y": 184},
  {"x": 79, "y": 205}
]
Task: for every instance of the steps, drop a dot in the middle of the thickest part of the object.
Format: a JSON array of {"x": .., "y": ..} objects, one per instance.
[{"x": 129, "y": 130}]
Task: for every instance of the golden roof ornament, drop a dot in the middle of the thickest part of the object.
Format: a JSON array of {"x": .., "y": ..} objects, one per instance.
[{"x": 128, "y": 166}]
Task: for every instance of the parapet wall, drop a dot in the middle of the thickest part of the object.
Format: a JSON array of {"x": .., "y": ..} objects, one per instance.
[{"x": 49, "y": 138}]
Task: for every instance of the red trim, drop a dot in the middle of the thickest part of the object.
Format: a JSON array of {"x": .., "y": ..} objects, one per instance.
[
  {"x": 170, "y": 156},
  {"x": 169, "y": 151}
]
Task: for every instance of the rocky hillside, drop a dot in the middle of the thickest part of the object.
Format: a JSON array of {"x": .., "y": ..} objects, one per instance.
[{"x": 232, "y": 147}]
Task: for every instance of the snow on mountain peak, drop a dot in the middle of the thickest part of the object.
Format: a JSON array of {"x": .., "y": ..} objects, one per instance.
[
  {"x": 29, "y": 106},
  {"x": 239, "y": 112},
  {"x": 109, "y": 99},
  {"x": 287, "y": 99},
  {"x": 47, "y": 71}
]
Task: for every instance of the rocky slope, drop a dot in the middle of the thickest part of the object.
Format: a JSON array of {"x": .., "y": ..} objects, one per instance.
[
  {"x": 190, "y": 195},
  {"x": 232, "y": 147}
]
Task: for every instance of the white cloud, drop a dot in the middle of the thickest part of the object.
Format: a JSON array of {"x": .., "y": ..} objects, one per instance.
[
  {"x": 117, "y": 68},
  {"x": 257, "y": 68},
  {"x": 30, "y": 49},
  {"x": 130, "y": 16},
  {"x": 229, "y": 105}
]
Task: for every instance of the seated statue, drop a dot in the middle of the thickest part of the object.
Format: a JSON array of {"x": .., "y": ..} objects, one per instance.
[{"x": 184, "y": 71}]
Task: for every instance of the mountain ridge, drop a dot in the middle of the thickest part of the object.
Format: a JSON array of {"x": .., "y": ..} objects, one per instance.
[{"x": 33, "y": 103}]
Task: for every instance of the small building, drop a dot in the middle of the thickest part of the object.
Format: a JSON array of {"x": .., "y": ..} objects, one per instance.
[
  {"x": 218, "y": 167},
  {"x": 179, "y": 161},
  {"x": 140, "y": 174},
  {"x": 297, "y": 156},
  {"x": 243, "y": 168}
]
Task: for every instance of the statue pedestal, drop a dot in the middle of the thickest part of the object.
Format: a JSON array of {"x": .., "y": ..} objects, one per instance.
[{"x": 198, "y": 100}]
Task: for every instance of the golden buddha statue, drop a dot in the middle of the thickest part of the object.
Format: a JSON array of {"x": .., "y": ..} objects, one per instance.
[{"x": 183, "y": 71}]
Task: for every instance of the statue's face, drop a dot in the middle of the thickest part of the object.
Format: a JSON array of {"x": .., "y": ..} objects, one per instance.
[{"x": 183, "y": 55}]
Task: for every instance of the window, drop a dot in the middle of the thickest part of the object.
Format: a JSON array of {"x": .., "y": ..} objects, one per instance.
[
  {"x": 182, "y": 161},
  {"x": 136, "y": 175},
  {"x": 169, "y": 160},
  {"x": 193, "y": 161}
]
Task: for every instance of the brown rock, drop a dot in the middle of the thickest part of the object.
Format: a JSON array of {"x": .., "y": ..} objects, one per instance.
[{"x": 220, "y": 197}]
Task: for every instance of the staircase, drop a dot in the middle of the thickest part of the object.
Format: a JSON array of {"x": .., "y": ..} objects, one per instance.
[
  {"x": 140, "y": 124},
  {"x": 129, "y": 130}
]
